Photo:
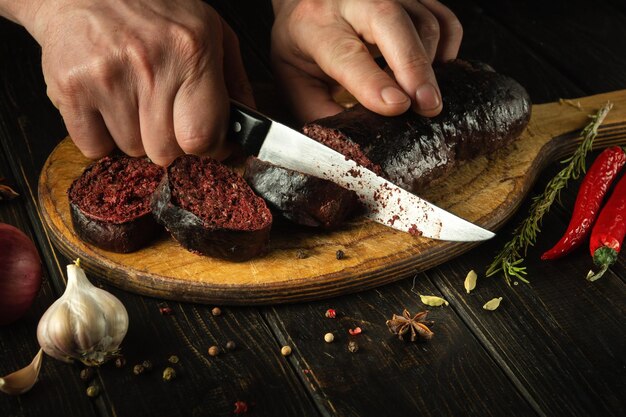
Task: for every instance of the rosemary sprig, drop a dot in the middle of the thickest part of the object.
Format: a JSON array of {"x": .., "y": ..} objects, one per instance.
[{"x": 511, "y": 257}]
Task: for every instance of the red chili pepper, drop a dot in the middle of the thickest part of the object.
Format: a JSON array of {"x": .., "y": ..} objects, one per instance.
[
  {"x": 609, "y": 231},
  {"x": 590, "y": 195}
]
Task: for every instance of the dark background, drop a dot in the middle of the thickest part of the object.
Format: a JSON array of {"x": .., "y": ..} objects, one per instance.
[{"x": 555, "y": 347}]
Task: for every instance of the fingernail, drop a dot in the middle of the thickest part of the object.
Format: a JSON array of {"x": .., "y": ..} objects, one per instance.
[
  {"x": 392, "y": 95},
  {"x": 427, "y": 97}
]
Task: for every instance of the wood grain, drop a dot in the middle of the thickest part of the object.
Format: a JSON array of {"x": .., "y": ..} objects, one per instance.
[{"x": 486, "y": 191}]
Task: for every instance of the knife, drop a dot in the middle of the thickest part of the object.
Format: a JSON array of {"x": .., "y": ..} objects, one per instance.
[{"x": 386, "y": 203}]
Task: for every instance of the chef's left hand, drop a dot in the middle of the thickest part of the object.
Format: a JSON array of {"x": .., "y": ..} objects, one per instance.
[{"x": 319, "y": 45}]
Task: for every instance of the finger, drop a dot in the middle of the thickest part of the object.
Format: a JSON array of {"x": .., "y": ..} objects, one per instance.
[
  {"x": 345, "y": 58},
  {"x": 426, "y": 24},
  {"x": 237, "y": 82},
  {"x": 121, "y": 116},
  {"x": 392, "y": 30},
  {"x": 156, "y": 125},
  {"x": 450, "y": 28},
  {"x": 88, "y": 131},
  {"x": 309, "y": 97}
]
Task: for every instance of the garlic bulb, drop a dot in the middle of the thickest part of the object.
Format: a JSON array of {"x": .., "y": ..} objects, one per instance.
[{"x": 85, "y": 323}]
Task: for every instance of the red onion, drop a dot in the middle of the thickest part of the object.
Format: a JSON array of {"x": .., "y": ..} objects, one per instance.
[{"x": 20, "y": 273}]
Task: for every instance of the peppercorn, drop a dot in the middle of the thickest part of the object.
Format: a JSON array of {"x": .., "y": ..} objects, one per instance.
[
  {"x": 340, "y": 255},
  {"x": 302, "y": 254},
  {"x": 353, "y": 346},
  {"x": 86, "y": 374},
  {"x": 93, "y": 391},
  {"x": 230, "y": 345},
  {"x": 169, "y": 374},
  {"x": 120, "y": 362},
  {"x": 166, "y": 311},
  {"x": 216, "y": 311},
  {"x": 173, "y": 359},
  {"x": 285, "y": 350},
  {"x": 330, "y": 313},
  {"x": 329, "y": 337},
  {"x": 138, "y": 369},
  {"x": 147, "y": 365},
  {"x": 214, "y": 351}
]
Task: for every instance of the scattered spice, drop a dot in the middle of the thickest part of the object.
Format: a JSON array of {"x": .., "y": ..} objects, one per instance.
[
  {"x": 329, "y": 337},
  {"x": 355, "y": 331},
  {"x": 285, "y": 350},
  {"x": 433, "y": 300},
  {"x": 120, "y": 362},
  {"x": 87, "y": 374},
  {"x": 353, "y": 346},
  {"x": 93, "y": 391},
  {"x": 492, "y": 304},
  {"x": 509, "y": 260},
  {"x": 147, "y": 365},
  {"x": 214, "y": 351},
  {"x": 166, "y": 311},
  {"x": 330, "y": 313},
  {"x": 240, "y": 407},
  {"x": 588, "y": 200},
  {"x": 340, "y": 255},
  {"x": 575, "y": 104},
  {"x": 169, "y": 374},
  {"x": 230, "y": 345},
  {"x": 138, "y": 369},
  {"x": 216, "y": 311},
  {"x": 7, "y": 193},
  {"x": 173, "y": 359},
  {"x": 301, "y": 254},
  {"x": 416, "y": 326},
  {"x": 470, "y": 281}
]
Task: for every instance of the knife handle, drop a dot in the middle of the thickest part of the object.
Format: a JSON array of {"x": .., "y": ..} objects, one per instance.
[{"x": 247, "y": 127}]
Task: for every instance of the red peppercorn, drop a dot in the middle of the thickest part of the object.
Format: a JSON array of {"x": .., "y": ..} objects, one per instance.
[
  {"x": 240, "y": 407},
  {"x": 590, "y": 195},
  {"x": 331, "y": 313},
  {"x": 355, "y": 331},
  {"x": 166, "y": 311}
]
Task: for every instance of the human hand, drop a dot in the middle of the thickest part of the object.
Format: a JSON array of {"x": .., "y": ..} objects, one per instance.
[
  {"x": 318, "y": 44},
  {"x": 150, "y": 76}
]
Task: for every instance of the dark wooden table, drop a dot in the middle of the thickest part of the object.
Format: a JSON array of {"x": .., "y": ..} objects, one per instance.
[{"x": 556, "y": 347}]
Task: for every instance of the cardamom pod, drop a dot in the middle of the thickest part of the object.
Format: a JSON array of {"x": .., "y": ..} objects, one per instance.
[
  {"x": 470, "y": 281},
  {"x": 432, "y": 300},
  {"x": 492, "y": 304}
]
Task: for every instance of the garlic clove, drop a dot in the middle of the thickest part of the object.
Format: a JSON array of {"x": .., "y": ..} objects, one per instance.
[{"x": 23, "y": 380}]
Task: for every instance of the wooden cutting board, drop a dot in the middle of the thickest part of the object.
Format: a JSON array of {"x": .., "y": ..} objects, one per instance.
[{"x": 485, "y": 191}]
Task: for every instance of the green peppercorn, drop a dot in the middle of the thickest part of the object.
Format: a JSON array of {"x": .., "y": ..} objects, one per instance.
[
  {"x": 120, "y": 362},
  {"x": 353, "y": 346},
  {"x": 169, "y": 374},
  {"x": 93, "y": 391},
  {"x": 147, "y": 365},
  {"x": 87, "y": 374},
  {"x": 173, "y": 359},
  {"x": 138, "y": 369}
]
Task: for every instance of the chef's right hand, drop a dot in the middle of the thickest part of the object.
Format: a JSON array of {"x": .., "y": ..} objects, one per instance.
[{"x": 148, "y": 76}]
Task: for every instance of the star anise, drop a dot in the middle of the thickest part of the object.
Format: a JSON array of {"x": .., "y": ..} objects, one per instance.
[{"x": 416, "y": 326}]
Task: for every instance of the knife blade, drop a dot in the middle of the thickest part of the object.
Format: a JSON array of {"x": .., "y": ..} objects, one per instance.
[{"x": 385, "y": 202}]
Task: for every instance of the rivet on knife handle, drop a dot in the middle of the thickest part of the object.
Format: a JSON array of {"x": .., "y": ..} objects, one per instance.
[{"x": 247, "y": 127}]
